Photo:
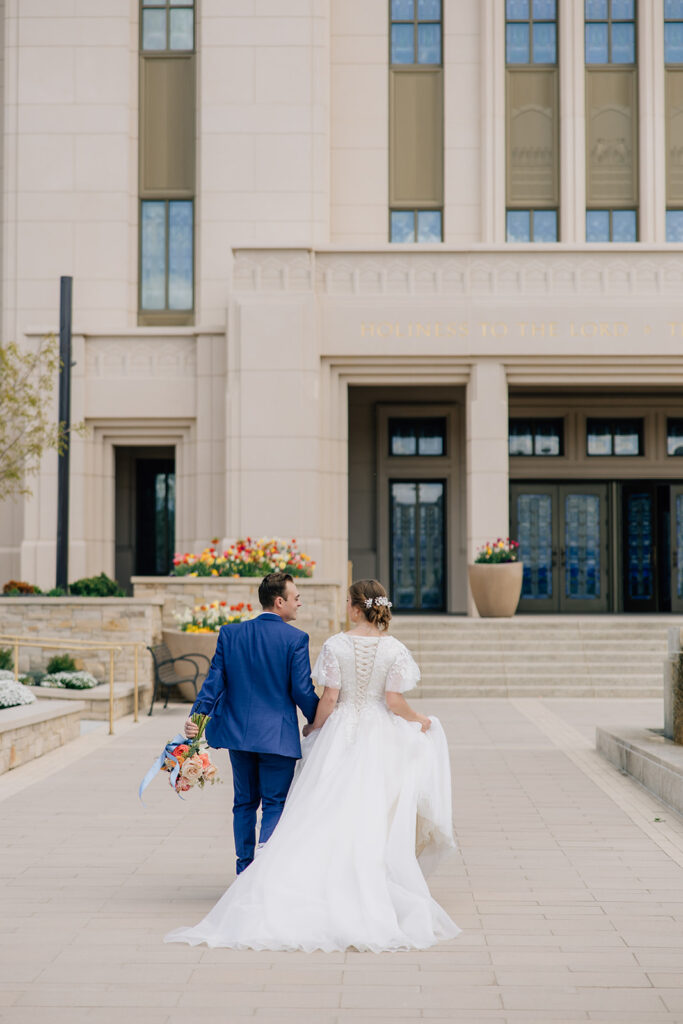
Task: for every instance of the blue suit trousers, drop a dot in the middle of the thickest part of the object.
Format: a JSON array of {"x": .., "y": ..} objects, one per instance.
[{"x": 257, "y": 779}]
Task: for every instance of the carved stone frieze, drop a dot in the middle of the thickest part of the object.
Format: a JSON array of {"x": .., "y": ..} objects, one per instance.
[
  {"x": 116, "y": 358},
  {"x": 476, "y": 274}
]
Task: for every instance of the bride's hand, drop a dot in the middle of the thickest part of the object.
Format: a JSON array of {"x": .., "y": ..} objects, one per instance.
[
  {"x": 307, "y": 729},
  {"x": 425, "y": 723}
]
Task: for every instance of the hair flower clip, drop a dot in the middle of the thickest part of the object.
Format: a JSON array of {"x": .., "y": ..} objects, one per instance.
[{"x": 368, "y": 602}]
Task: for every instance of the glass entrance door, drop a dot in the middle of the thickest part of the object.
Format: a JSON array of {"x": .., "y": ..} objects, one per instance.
[
  {"x": 155, "y": 499},
  {"x": 652, "y": 532},
  {"x": 562, "y": 531},
  {"x": 676, "y": 526},
  {"x": 418, "y": 544}
]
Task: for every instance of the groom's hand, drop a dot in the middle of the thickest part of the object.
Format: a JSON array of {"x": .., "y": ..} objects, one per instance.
[{"x": 191, "y": 729}]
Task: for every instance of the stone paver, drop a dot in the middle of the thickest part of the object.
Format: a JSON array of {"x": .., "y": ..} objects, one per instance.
[{"x": 569, "y": 891}]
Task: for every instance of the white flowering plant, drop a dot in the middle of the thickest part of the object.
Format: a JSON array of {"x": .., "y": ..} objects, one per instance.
[
  {"x": 69, "y": 680},
  {"x": 12, "y": 694}
]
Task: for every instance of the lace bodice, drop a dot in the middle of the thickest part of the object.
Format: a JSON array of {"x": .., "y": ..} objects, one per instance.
[{"x": 364, "y": 668}]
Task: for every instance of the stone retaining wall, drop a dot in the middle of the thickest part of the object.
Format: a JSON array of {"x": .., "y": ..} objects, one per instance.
[
  {"x": 31, "y": 730},
  {"x": 107, "y": 619},
  {"x": 321, "y": 613}
]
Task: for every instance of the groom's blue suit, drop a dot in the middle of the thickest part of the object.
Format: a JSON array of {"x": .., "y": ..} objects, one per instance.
[{"x": 259, "y": 674}]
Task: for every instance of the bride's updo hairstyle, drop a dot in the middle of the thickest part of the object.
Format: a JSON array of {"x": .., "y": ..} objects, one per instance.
[{"x": 371, "y": 597}]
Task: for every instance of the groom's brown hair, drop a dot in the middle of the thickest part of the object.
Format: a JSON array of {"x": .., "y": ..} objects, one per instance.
[{"x": 273, "y": 585}]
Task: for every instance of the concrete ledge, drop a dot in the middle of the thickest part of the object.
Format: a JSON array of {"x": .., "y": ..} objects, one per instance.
[
  {"x": 96, "y": 701},
  {"x": 30, "y": 730},
  {"x": 648, "y": 757}
]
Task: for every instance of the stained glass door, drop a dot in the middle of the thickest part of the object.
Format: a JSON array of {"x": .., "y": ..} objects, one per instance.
[
  {"x": 676, "y": 507},
  {"x": 562, "y": 531},
  {"x": 418, "y": 547},
  {"x": 584, "y": 568},
  {"x": 533, "y": 523}
]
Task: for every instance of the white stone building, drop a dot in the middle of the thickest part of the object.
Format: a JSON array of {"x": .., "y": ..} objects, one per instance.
[{"x": 393, "y": 277}]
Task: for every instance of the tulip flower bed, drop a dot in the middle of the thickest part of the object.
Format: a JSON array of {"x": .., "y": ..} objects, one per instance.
[{"x": 246, "y": 557}]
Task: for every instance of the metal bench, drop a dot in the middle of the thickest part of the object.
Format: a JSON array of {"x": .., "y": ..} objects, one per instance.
[{"x": 165, "y": 674}]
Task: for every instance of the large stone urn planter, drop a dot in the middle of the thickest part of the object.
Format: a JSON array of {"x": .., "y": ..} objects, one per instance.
[
  {"x": 181, "y": 643},
  {"x": 496, "y": 587}
]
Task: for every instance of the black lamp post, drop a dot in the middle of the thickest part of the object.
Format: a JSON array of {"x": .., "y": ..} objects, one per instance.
[{"x": 64, "y": 419}]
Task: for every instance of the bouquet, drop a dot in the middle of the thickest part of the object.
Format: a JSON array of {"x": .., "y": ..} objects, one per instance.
[
  {"x": 194, "y": 766},
  {"x": 185, "y": 760}
]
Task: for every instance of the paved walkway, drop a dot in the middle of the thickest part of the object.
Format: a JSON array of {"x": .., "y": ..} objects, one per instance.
[{"x": 568, "y": 885}]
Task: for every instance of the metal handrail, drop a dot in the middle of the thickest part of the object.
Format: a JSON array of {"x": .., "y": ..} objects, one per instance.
[{"x": 58, "y": 643}]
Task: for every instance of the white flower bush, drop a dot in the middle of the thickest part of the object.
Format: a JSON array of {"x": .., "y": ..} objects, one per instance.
[
  {"x": 12, "y": 694},
  {"x": 69, "y": 680}
]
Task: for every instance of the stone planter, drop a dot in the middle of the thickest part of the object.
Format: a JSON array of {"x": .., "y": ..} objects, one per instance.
[
  {"x": 496, "y": 588},
  {"x": 180, "y": 644},
  {"x": 673, "y": 688}
]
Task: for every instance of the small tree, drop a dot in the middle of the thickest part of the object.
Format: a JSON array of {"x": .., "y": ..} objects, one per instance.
[{"x": 27, "y": 427}]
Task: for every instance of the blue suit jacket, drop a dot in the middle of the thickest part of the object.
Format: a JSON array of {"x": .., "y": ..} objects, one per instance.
[{"x": 259, "y": 674}]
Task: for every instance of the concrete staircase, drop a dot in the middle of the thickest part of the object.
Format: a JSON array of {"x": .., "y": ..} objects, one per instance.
[{"x": 538, "y": 656}]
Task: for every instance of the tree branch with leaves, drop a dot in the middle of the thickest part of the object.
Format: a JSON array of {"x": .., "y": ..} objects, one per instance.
[{"x": 27, "y": 425}]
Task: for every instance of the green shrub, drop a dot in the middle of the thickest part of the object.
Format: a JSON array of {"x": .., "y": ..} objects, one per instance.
[
  {"x": 6, "y": 659},
  {"x": 61, "y": 663},
  {"x": 32, "y": 677},
  {"x": 96, "y": 586},
  {"x": 56, "y": 592},
  {"x": 19, "y": 588}
]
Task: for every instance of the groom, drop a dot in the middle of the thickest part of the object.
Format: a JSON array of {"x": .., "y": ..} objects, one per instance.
[{"x": 259, "y": 674}]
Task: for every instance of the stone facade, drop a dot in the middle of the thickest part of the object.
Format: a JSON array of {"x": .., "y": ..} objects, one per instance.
[
  {"x": 302, "y": 305},
  {"x": 32, "y": 730},
  {"x": 105, "y": 619}
]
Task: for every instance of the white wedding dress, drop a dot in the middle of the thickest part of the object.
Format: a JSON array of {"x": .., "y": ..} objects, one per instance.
[{"x": 371, "y": 795}]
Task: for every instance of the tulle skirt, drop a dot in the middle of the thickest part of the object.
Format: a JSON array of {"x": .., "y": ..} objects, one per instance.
[{"x": 368, "y": 811}]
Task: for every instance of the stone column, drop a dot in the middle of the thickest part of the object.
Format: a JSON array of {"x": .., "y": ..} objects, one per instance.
[
  {"x": 572, "y": 123},
  {"x": 487, "y": 457},
  {"x": 273, "y": 405},
  {"x": 651, "y": 141},
  {"x": 492, "y": 56}
]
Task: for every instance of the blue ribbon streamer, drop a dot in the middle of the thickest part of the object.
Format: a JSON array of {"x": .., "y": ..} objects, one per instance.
[{"x": 159, "y": 763}]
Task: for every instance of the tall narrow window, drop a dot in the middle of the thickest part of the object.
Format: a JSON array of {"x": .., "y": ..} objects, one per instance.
[
  {"x": 167, "y": 25},
  {"x": 167, "y": 161},
  {"x": 532, "y": 123},
  {"x": 673, "y": 71},
  {"x": 611, "y": 121},
  {"x": 416, "y": 146}
]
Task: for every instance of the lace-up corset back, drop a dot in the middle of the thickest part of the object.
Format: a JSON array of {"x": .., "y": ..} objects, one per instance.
[
  {"x": 364, "y": 668},
  {"x": 365, "y": 654}
]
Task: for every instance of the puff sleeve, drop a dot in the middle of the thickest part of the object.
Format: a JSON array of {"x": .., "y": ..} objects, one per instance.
[
  {"x": 403, "y": 674},
  {"x": 326, "y": 671}
]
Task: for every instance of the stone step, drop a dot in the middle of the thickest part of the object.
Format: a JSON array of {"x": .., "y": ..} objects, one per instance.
[
  {"x": 537, "y": 690},
  {"x": 577, "y": 669},
  {"x": 535, "y": 654},
  {"x": 591, "y": 630},
  {"x": 449, "y": 642},
  {"x": 455, "y": 677}
]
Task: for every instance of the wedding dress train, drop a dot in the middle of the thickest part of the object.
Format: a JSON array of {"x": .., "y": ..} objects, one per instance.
[{"x": 369, "y": 809}]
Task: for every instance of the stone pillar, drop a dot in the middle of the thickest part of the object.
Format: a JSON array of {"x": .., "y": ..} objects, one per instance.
[
  {"x": 572, "y": 123},
  {"x": 651, "y": 141},
  {"x": 487, "y": 457},
  {"x": 273, "y": 418},
  {"x": 493, "y": 157}
]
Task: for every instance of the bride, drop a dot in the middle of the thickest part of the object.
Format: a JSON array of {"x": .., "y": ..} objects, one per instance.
[{"x": 369, "y": 808}]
